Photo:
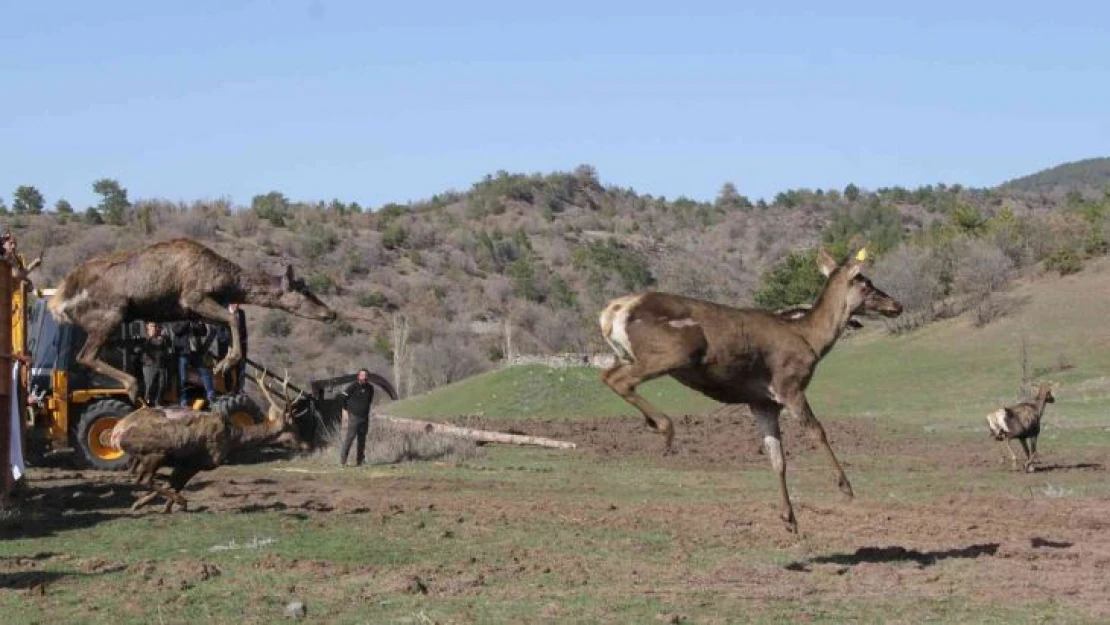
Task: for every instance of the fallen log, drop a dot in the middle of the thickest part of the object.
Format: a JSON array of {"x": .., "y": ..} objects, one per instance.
[{"x": 485, "y": 436}]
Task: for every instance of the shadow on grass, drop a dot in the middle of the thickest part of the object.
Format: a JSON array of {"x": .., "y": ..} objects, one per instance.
[
  {"x": 877, "y": 555},
  {"x": 1037, "y": 542},
  {"x": 44, "y": 511},
  {"x": 26, "y": 580},
  {"x": 1075, "y": 466}
]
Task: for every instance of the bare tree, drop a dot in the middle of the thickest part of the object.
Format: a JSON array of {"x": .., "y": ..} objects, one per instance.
[{"x": 401, "y": 355}]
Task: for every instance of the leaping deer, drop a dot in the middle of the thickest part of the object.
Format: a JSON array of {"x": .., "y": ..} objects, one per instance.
[
  {"x": 739, "y": 355},
  {"x": 170, "y": 281}
]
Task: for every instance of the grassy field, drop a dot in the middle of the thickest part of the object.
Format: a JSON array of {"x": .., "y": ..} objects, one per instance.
[{"x": 939, "y": 531}]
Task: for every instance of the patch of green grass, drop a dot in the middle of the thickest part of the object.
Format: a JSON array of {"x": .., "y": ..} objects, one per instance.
[{"x": 536, "y": 391}]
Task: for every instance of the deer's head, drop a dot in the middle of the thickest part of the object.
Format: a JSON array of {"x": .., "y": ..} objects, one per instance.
[
  {"x": 297, "y": 299},
  {"x": 1045, "y": 391},
  {"x": 849, "y": 285},
  {"x": 280, "y": 416}
]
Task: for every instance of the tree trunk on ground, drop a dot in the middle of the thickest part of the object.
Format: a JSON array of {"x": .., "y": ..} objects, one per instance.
[{"x": 478, "y": 435}]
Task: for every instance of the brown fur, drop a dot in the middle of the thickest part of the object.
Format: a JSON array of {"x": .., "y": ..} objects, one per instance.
[
  {"x": 191, "y": 441},
  {"x": 170, "y": 281},
  {"x": 1023, "y": 422},
  {"x": 738, "y": 355}
]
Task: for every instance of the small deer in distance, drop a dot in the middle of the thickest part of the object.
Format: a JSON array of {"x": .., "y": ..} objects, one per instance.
[
  {"x": 170, "y": 281},
  {"x": 740, "y": 355},
  {"x": 1021, "y": 421}
]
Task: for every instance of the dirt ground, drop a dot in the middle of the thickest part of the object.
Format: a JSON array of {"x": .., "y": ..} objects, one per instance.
[{"x": 1039, "y": 548}]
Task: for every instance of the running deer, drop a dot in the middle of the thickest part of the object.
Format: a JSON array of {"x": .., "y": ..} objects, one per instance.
[
  {"x": 191, "y": 441},
  {"x": 739, "y": 355},
  {"x": 1021, "y": 421},
  {"x": 170, "y": 281}
]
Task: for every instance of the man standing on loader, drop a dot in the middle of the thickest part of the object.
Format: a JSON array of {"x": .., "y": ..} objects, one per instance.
[{"x": 155, "y": 351}]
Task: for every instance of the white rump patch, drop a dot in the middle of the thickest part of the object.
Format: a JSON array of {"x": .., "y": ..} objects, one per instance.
[
  {"x": 996, "y": 421},
  {"x": 614, "y": 326},
  {"x": 618, "y": 338},
  {"x": 682, "y": 323}
]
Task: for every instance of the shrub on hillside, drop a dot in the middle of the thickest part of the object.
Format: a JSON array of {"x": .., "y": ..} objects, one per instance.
[
  {"x": 982, "y": 268},
  {"x": 795, "y": 280},
  {"x": 276, "y": 324},
  {"x": 909, "y": 274},
  {"x": 1064, "y": 260},
  {"x": 443, "y": 360}
]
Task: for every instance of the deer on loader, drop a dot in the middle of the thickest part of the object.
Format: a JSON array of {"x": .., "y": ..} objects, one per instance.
[
  {"x": 739, "y": 355},
  {"x": 192, "y": 441},
  {"x": 170, "y": 281}
]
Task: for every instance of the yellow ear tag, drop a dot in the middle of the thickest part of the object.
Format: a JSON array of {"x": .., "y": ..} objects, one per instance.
[{"x": 862, "y": 255}]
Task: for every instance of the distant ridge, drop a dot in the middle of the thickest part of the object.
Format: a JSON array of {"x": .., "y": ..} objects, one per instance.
[{"x": 1077, "y": 175}]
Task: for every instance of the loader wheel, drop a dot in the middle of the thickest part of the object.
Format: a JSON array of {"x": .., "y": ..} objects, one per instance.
[
  {"x": 93, "y": 431},
  {"x": 241, "y": 409}
]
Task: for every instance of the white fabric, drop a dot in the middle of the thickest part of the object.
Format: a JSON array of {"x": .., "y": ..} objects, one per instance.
[{"x": 16, "y": 447}]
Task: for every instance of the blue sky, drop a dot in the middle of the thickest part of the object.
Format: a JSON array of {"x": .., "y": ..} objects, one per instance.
[{"x": 379, "y": 102}]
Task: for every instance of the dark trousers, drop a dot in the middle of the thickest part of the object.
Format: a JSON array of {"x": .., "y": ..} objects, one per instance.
[
  {"x": 357, "y": 427},
  {"x": 183, "y": 363},
  {"x": 154, "y": 379}
]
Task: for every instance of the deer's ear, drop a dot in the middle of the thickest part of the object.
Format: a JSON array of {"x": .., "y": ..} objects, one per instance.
[{"x": 825, "y": 262}]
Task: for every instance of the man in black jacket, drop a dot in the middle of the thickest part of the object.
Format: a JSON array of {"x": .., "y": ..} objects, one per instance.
[
  {"x": 356, "y": 409},
  {"x": 154, "y": 350}
]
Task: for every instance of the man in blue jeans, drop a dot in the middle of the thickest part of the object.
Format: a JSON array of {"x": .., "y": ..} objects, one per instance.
[{"x": 191, "y": 339}]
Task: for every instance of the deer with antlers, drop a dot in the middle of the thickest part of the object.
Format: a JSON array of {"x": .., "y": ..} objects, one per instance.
[
  {"x": 191, "y": 441},
  {"x": 170, "y": 281},
  {"x": 740, "y": 355}
]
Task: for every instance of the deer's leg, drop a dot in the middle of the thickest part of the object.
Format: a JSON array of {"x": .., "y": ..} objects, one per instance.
[
  {"x": 624, "y": 381},
  {"x": 211, "y": 310},
  {"x": 178, "y": 479},
  {"x": 1013, "y": 455},
  {"x": 145, "y": 499},
  {"x": 155, "y": 491},
  {"x": 1028, "y": 455},
  {"x": 659, "y": 350},
  {"x": 800, "y": 407},
  {"x": 88, "y": 357},
  {"x": 768, "y": 418},
  {"x": 1002, "y": 445}
]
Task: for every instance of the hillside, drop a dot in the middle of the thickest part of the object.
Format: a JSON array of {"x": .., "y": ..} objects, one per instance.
[
  {"x": 540, "y": 254},
  {"x": 950, "y": 374},
  {"x": 1087, "y": 174}
]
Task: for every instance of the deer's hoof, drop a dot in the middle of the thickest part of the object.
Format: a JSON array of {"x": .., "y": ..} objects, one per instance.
[
  {"x": 846, "y": 487},
  {"x": 790, "y": 523}
]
